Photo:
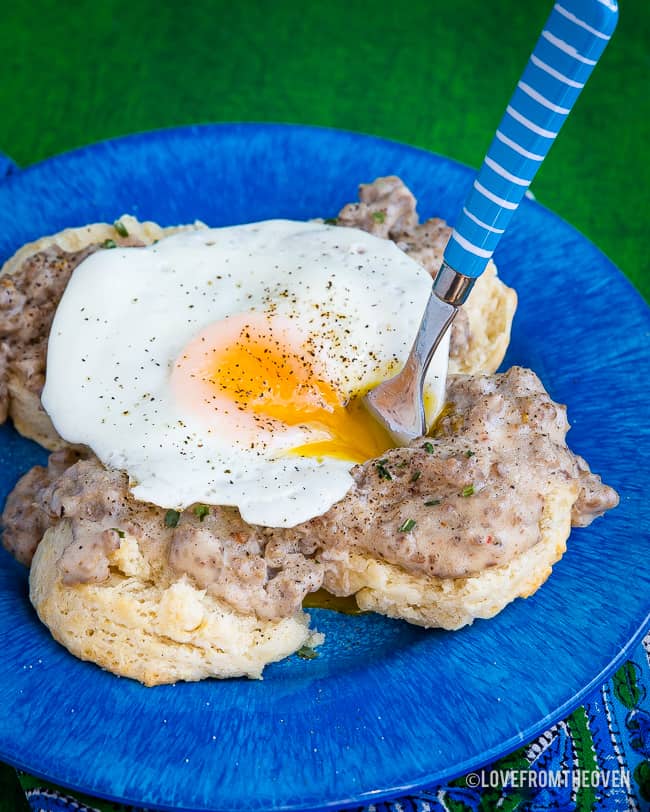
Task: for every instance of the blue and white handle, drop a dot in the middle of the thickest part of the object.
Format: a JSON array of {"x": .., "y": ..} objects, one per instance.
[{"x": 573, "y": 39}]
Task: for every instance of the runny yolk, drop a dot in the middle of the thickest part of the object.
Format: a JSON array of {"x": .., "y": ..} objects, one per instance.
[{"x": 265, "y": 374}]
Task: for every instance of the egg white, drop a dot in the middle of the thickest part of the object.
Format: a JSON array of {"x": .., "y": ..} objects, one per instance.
[{"x": 127, "y": 313}]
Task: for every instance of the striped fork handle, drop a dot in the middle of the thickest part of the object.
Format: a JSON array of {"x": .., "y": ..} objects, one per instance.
[{"x": 574, "y": 37}]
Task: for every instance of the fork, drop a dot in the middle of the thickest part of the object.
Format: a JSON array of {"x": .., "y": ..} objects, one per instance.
[{"x": 572, "y": 41}]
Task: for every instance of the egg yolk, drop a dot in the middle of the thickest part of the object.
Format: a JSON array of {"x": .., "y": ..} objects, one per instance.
[{"x": 248, "y": 363}]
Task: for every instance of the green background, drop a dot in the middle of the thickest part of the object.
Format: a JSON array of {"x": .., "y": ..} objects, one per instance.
[{"x": 435, "y": 73}]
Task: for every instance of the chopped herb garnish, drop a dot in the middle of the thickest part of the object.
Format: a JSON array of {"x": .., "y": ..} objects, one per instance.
[
  {"x": 120, "y": 533},
  {"x": 109, "y": 244},
  {"x": 469, "y": 454},
  {"x": 402, "y": 464},
  {"x": 407, "y": 526},
  {"x": 200, "y": 511},
  {"x": 432, "y": 503},
  {"x": 171, "y": 518},
  {"x": 379, "y": 216},
  {"x": 468, "y": 490},
  {"x": 306, "y": 653},
  {"x": 416, "y": 476},
  {"x": 382, "y": 471},
  {"x": 428, "y": 447},
  {"x": 331, "y": 221},
  {"x": 120, "y": 228}
]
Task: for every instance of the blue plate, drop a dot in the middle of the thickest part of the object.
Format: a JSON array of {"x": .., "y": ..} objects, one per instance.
[{"x": 386, "y": 707}]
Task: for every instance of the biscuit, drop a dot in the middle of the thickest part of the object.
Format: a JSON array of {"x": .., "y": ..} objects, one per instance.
[
  {"x": 451, "y": 603},
  {"x": 490, "y": 309},
  {"x": 156, "y": 632}
]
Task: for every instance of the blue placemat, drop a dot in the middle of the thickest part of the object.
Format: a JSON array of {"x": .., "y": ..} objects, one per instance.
[{"x": 596, "y": 760}]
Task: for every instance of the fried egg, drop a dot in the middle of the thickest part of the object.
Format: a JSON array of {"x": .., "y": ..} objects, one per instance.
[{"x": 226, "y": 366}]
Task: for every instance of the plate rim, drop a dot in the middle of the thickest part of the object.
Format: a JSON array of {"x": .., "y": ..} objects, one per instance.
[
  {"x": 234, "y": 126},
  {"x": 371, "y": 796},
  {"x": 429, "y": 779},
  {"x": 164, "y": 132}
]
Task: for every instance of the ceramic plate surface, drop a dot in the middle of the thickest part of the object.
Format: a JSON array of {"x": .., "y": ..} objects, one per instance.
[{"x": 386, "y": 707}]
